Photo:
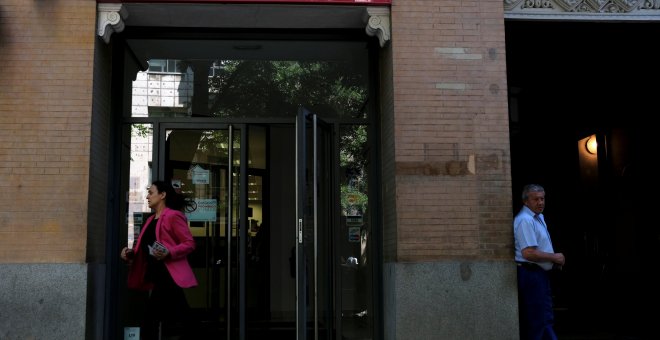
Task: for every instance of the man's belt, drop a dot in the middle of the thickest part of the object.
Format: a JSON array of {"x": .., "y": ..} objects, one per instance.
[{"x": 529, "y": 265}]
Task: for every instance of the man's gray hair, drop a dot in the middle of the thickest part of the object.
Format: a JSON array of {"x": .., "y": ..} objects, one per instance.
[{"x": 531, "y": 188}]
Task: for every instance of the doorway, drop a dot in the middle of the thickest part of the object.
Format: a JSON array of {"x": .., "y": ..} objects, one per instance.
[
  {"x": 568, "y": 82},
  {"x": 282, "y": 221},
  {"x": 298, "y": 267},
  {"x": 272, "y": 275}
]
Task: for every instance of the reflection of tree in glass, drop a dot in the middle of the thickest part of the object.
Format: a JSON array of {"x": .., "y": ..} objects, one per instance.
[
  {"x": 278, "y": 88},
  {"x": 215, "y": 143},
  {"x": 141, "y": 130},
  {"x": 353, "y": 158}
]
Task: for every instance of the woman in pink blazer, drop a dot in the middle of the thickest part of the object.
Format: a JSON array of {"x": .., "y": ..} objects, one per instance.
[{"x": 158, "y": 262}]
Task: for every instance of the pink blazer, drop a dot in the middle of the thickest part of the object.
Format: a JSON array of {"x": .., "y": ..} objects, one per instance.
[{"x": 172, "y": 231}]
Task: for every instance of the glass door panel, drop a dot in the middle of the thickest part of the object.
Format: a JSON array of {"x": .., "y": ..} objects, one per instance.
[
  {"x": 314, "y": 225},
  {"x": 240, "y": 267},
  {"x": 353, "y": 240},
  {"x": 203, "y": 165},
  {"x": 226, "y": 178}
]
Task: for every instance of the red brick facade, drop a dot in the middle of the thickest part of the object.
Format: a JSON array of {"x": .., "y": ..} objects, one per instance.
[
  {"x": 47, "y": 58},
  {"x": 450, "y": 131}
]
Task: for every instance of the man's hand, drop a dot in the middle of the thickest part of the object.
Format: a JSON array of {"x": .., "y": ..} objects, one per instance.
[{"x": 559, "y": 259}]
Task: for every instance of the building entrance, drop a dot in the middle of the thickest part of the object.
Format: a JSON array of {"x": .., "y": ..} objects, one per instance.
[
  {"x": 263, "y": 256},
  {"x": 281, "y": 220}
]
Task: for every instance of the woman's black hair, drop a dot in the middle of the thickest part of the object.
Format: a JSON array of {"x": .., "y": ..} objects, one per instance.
[{"x": 173, "y": 199}]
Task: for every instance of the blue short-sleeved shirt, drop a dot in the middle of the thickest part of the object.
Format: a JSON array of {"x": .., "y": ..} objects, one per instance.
[{"x": 531, "y": 232}]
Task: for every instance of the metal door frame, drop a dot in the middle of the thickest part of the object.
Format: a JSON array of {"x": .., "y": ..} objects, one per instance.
[
  {"x": 303, "y": 118},
  {"x": 159, "y": 168}
]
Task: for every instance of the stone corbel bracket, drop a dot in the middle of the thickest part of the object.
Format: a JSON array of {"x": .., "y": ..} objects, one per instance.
[
  {"x": 110, "y": 19},
  {"x": 378, "y": 23}
]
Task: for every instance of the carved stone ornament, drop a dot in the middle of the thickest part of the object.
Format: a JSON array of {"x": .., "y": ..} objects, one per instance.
[
  {"x": 378, "y": 23},
  {"x": 631, "y": 9},
  {"x": 110, "y": 19}
]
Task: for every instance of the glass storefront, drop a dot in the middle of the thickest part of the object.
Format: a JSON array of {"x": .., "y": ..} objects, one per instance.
[{"x": 270, "y": 260}]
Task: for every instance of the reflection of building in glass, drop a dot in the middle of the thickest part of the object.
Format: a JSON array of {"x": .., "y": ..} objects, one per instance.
[
  {"x": 140, "y": 174},
  {"x": 160, "y": 91}
]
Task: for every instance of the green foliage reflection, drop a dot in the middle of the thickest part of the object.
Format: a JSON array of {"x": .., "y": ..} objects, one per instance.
[
  {"x": 243, "y": 88},
  {"x": 353, "y": 157}
]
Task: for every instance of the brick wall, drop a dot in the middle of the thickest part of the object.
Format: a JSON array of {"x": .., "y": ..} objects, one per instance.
[
  {"x": 46, "y": 57},
  {"x": 453, "y": 187}
]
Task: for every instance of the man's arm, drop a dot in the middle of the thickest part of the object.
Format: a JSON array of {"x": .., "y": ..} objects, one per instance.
[{"x": 534, "y": 255}]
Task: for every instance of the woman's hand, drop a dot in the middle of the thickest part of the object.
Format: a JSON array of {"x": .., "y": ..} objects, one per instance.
[
  {"x": 127, "y": 254},
  {"x": 161, "y": 254}
]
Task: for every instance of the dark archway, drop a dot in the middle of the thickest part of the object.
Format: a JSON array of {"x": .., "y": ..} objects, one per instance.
[{"x": 568, "y": 80}]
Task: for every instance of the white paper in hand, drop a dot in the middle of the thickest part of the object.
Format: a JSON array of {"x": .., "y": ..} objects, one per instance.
[{"x": 157, "y": 246}]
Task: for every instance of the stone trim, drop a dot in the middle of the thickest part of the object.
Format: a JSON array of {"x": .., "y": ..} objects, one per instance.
[
  {"x": 593, "y": 10},
  {"x": 378, "y": 23},
  {"x": 110, "y": 19}
]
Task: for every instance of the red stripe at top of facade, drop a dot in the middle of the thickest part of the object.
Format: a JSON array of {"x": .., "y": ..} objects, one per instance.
[{"x": 316, "y": 2}]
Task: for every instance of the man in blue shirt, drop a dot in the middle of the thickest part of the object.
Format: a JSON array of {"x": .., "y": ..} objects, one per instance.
[{"x": 534, "y": 257}]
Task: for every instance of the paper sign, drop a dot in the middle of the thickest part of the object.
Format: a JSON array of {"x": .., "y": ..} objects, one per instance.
[
  {"x": 207, "y": 210},
  {"x": 199, "y": 175},
  {"x": 131, "y": 333}
]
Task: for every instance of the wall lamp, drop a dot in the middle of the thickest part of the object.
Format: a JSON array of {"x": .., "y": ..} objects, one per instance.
[{"x": 591, "y": 145}]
